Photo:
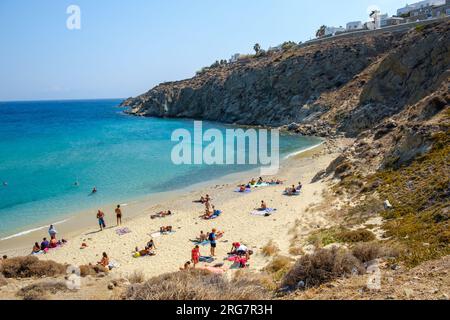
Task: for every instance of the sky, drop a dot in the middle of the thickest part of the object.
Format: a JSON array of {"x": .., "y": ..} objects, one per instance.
[{"x": 124, "y": 48}]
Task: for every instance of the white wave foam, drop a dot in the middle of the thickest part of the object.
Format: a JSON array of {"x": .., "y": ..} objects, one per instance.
[{"x": 20, "y": 234}]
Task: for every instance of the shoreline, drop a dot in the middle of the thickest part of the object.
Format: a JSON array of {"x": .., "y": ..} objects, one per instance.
[
  {"x": 76, "y": 222},
  {"x": 236, "y": 221}
]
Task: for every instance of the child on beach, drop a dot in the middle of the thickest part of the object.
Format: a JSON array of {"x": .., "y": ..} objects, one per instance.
[
  {"x": 101, "y": 220},
  {"x": 195, "y": 255},
  {"x": 119, "y": 215}
]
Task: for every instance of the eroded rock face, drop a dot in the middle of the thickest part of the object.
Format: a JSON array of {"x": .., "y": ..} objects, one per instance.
[{"x": 389, "y": 92}]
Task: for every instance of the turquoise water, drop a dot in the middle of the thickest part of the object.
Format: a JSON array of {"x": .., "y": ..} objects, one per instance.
[{"x": 45, "y": 147}]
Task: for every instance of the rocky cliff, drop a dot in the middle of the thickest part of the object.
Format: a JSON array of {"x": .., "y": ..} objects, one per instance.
[{"x": 347, "y": 85}]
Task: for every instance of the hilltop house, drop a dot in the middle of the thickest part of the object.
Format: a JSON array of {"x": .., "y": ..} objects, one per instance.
[
  {"x": 354, "y": 25},
  {"x": 423, "y": 10},
  {"x": 331, "y": 31}
]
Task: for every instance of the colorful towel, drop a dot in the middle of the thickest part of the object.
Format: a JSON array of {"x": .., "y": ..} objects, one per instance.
[
  {"x": 243, "y": 192},
  {"x": 266, "y": 212},
  {"x": 297, "y": 193},
  {"x": 206, "y": 259},
  {"x": 123, "y": 231},
  {"x": 198, "y": 243}
]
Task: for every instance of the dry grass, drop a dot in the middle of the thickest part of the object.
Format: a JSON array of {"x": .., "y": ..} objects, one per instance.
[
  {"x": 354, "y": 236},
  {"x": 40, "y": 291},
  {"x": 296, "y": 250},
  {"x": 369, "y": 251},
  {"x": 321, "y": 267},
  {"x": 3, "y": 281},
  {"x": 136, "y": 277},
  {"x": 91, "y": 270},
  {"x": 279, "y": 266},
  {"x": 270, "y": 249},
  {"x": 197, "y": 285},
  {"x": 28, "y": 267}
]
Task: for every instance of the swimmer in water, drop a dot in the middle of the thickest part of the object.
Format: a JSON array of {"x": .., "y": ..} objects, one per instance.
[{"x": 94, "y": 190}]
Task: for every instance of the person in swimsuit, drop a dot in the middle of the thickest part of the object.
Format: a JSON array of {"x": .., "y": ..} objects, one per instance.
[
  {"x": 263, "y": 206},
  {"x": 36, "y": 248},
  {"x": 119, "y": 215},
  {"x": 105, "y": 260},
  {"x": 101, "y": 220},
  {"x": 212, "y": 240},
  {"x": 186, "y": 266},
  {"x": 195, "y": 255},
  {"x": 94, "y": 190}
]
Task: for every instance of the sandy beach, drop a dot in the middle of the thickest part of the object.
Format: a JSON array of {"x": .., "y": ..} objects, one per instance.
[{"x": 174, "y": 250}]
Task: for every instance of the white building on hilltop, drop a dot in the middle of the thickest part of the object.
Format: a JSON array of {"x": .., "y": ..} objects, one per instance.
[
  {"x": 419, "y": 5},
  {"x": 354, "y": 25},
  {"x": 331, "y": 31}
]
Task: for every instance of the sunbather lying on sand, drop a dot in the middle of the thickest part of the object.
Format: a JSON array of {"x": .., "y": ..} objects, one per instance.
[
  {"x": 167, "y": 229},
  {"x": 161, "y": 214}
]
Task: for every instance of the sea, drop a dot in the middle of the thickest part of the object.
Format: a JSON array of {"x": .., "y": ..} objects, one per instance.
[{"x": 53, "y": 153}]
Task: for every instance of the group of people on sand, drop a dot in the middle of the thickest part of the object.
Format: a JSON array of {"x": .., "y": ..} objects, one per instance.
[
  {"x": 46, "y": 244},
  {"x": 150, "y": 250},
  {"x": 210, "y": 209},
  {"x": 101, "y": 217},
  {"x": 294, "y": 189}
]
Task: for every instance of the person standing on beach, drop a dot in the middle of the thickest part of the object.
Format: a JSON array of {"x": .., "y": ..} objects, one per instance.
[
  {"x": 101, "y": 220},
  {"x": 52, "y": 232},
  {"x": 119, "y": 215},
  {"x": 195, "y": 255},
  {"x": 212, "y": 240}
]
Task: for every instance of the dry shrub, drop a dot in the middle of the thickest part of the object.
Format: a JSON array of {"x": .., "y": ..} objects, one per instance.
[
  {"x": 136, "y": 277},
  {"x": 278, "y": 263},
  {"x": 91, "y": 270},
  {"x": 270, "y": 249},
  {"x": 322, "y": 266},
  {"x": 40, "y": 291},
  {"x": 3, "y": 281},
  {"x": 353, "y": 236},
  {"x": 27, "y": 267},
  {"x": 197, "y": 285},
  {"x": 262, "y": 278},
  {"x": 296, "y": 250},
  {"x": 366, "y": 252}
]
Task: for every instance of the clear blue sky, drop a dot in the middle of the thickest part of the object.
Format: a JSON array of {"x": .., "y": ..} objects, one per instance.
[{"x": 126, "y": 47}]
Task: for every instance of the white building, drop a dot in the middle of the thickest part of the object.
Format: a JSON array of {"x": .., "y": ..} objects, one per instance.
[
  {"x": 419, "y": 5},
  {"x": 331, "y": 31},
  {"x": 354, "y": 25}
]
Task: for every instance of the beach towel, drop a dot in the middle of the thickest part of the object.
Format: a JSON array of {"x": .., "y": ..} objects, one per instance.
[
  {"x": 123, "y": 231},
  {"x": 159, "y": 234},
  {"x": 260, "y": 185},
  {"x": 297, "y": 193},
  {"x": 216, "y": 214},
  {"x": 266, "y": 212},
  {"x": 198, "y": 243},
  {"x": 113, "y": 264},
  {"x": 247, "y": 190},
  {"x": 206, "y": 259}
]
